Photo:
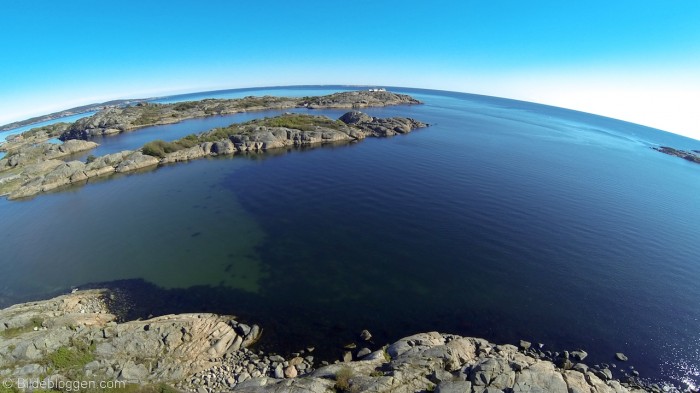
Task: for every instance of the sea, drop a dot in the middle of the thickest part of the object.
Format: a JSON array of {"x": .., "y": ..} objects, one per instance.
[{"x": 503, "y": 219}]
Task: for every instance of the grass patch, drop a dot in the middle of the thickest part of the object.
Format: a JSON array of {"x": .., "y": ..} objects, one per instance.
[
  {"x": 74, "y": 357},
  {"x": 300, "y": 122},
  {"x": 36, "y": 322}
]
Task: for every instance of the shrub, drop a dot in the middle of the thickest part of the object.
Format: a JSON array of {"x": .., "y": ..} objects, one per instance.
[
  {"x": 155, "y": 149},
  {"x": 342, "y": 379},
  {"x": 159, "y": 148}
]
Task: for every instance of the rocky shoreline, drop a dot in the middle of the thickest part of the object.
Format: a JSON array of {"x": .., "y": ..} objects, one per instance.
[
  {"x": 78, "y": 336},
  {"x": 33, "y": 165}
]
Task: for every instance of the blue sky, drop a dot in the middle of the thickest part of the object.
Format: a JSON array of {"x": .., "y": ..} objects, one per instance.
[{"x": 634, "y": 60}]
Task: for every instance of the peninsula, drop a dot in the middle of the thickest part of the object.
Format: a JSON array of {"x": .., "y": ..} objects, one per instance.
[{"x": 34, "y": 165}]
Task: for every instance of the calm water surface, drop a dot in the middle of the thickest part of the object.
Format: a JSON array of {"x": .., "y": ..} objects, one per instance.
[{"x": 504, "y": 219}]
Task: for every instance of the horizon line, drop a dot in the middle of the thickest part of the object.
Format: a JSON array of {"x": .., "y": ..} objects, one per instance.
[{"x": 193, "y": 92}]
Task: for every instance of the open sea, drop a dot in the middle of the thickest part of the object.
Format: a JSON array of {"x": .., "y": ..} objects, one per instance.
[{"x": 504, "y": 219}]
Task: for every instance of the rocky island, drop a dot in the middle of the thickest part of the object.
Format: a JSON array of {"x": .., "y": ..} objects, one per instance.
[
  {"x": 79, "y": 337},
  {"x": 70, "y": 112},
  {"x": 117, "y": 120},
  {"x": 34, "y": 165},
  {"x": 692, "y": 156}
]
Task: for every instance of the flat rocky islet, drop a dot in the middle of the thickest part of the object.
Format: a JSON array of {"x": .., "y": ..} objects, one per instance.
[
  {"x": 33, "y": 165},
  {"x": 79, "y": 336},
  {"x": 692, "y": 156}
]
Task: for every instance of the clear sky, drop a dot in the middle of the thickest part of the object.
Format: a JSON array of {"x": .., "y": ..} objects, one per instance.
[{"x": 633, "y": 60}]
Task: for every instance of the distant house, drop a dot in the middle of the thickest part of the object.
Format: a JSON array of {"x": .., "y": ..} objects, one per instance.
[{"x": 377, "y": 89}]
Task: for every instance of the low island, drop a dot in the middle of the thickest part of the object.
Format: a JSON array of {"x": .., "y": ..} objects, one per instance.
[
  {"x": 692, "y": 156},
  {"x": 34, "y": 165}
]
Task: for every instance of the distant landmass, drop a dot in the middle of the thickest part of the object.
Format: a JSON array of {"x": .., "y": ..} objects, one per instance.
[{"x": 73, "y": 111}]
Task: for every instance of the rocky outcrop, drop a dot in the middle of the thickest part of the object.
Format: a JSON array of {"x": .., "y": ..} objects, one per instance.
[
  {"x": 31, "y": 154},
  {"x": 116, "y": 120},
  {"x": 692, "y": 156},
  {"x": 359, "y": 99},
  {"x": 49, "y": 175},
  {"x": 442, "y": 363},
  {"x": 34, "y": 136},
  {"x": 166, "y": 348},
  {"x": 379, "y": 127}
]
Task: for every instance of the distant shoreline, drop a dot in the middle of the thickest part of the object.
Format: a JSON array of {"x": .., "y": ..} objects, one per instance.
[{"x": 79, "y": 110}]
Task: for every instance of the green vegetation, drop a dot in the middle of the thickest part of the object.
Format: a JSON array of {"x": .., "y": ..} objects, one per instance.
[
  {"x": 75, "y": 356},
  {"x": 90, "y": 159},
  {"x": 299, "y": 122},
  {"x": 217, "y": 134},
  {"x": 251, "y": 101},
  {"x": 387, "y": 357},
  {"x": 184, "y": 106},
  {"x": 150, "y": 114},
  {"x": 342, "y": 379},
  {"x": 9, "y": 389},
  {"x": 36, "y": 322},
  {"x": 52, "y": 130},
  {"x": 159, "y": 148}
]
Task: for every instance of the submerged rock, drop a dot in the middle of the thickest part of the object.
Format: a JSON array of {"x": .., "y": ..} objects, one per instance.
[{"x": 621, "y": 357}]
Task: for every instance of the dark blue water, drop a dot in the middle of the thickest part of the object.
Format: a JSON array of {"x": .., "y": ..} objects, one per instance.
[{"x": 504, "y": 219}]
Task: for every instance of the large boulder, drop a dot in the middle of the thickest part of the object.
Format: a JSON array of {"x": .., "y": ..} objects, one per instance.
[
  {"x": 355, "y": 117},
  {"x": 136, "y": 160}
]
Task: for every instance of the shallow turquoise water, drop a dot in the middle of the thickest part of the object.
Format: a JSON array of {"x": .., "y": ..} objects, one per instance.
[{"x": 504, "y": 219}]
